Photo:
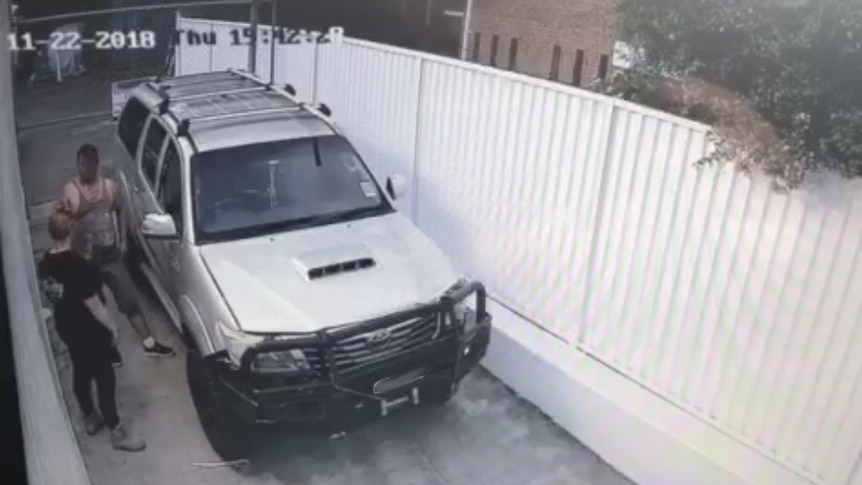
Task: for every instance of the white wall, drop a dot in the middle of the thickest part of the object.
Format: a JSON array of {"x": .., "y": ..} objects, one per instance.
[{"x": 731, "y": 306}]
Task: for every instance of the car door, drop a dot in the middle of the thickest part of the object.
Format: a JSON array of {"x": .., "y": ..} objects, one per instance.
[
  {"x": 130, "y": 131},
  {"x": 169, "y": 198},
  {"x": 146, "y": 180}
]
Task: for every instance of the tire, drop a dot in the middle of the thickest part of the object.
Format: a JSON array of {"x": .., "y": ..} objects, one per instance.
[
  {"x": 230, "y": 437},
  {"x": 445, "y": 398}
]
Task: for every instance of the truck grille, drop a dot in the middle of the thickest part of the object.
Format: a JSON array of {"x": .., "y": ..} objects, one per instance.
[{"x": 382, "y": 344}]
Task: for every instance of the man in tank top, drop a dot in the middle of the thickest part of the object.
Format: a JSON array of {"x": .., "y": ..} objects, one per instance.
[{"x": 99, "y": 237}]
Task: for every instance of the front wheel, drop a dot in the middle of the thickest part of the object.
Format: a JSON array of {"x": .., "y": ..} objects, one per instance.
[{"x": 230, "y": 437}]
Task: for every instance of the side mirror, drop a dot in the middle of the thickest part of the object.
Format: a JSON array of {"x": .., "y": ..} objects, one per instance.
[
  {"x": 396, "y": 186},
  {"x": 159, "y": 226},
  {"x": 324, "y": 109}
]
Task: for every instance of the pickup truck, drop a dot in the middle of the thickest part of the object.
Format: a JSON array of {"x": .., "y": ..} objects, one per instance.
[{"x": 305, "y": 298}]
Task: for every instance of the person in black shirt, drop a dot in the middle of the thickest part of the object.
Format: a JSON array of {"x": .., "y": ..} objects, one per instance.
[{"x": 72, "y": 286}]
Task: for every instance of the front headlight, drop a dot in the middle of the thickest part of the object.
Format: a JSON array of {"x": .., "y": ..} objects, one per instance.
[
  {"x": 237, "y": 342},
  {"x": 280, "y": 362}
]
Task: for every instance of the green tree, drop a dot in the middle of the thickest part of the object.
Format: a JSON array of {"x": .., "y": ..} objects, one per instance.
[{"x": 780, "y": 80}]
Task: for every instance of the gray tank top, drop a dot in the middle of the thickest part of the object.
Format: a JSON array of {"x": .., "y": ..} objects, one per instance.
[{"x": 96, "y": 236}]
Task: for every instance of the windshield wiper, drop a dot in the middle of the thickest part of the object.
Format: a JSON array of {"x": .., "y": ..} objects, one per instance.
[
  {"x": 305, "y": 222},
  {"x": 347, "y": 215}
]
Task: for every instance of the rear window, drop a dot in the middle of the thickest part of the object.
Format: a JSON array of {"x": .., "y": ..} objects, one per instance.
[{"x": 131, "y": 125}]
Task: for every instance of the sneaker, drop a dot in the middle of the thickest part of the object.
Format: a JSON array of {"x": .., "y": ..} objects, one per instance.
[
  {"x": 159, "y": 350},
  {"x": 93, "y": 423},
  {"x": 122, "y": 440}
]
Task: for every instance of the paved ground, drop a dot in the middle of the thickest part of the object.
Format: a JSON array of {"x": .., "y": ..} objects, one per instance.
[{"x": 485, "y": 436}]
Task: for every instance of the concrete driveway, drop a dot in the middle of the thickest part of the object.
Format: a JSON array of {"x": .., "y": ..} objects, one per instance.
[{"x": 486, "y": 435}]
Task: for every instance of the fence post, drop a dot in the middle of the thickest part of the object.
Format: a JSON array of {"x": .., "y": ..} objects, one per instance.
[
  {"x": 314, "y": 73},
  {"x": 252, "y": 52},
  {"x": 420, "y": 84},
  {"x": 51, "y": 450},
  {"x": 58, "y": 72},
  {"x": 466, "y": 26},
  {"x": 513, "y": 54},
  {"x": 607, "y": 135},
  {"x": 272, "y": 42},
  {"x": 177, "y": 43}
]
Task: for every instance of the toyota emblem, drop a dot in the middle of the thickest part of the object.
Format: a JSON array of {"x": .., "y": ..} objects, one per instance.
[{"x": 379, "y": 338}]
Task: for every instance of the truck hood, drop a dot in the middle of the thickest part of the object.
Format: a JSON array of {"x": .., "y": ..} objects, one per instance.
[{"x": 306, "y": 280}]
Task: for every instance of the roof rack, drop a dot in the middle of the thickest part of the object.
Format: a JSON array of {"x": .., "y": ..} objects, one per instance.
[
  {"x": 188, "y": 79},
  {"x": 288, "y": 88},
  {"x": 183, "y": 126},
  {"x": 220, "y": 93},
  {"x": 162, "y": 91}
]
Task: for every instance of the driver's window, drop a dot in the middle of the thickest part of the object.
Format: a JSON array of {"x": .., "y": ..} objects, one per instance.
[
  {"x": 170, "y": 193},
  {"x": 153, "y": 142}
]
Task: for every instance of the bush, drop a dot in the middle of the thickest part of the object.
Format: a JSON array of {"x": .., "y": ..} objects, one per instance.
[{"x": 780, "y": 80}]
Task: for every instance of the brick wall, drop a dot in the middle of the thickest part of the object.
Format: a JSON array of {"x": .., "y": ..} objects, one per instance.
[{"x": 539, "y": 25}]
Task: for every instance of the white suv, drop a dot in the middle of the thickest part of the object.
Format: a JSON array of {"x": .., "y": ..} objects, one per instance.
[{"x": 306, "y": 299}]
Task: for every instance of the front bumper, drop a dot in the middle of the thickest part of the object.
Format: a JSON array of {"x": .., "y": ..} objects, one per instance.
[{"x": 335, "y": 398}]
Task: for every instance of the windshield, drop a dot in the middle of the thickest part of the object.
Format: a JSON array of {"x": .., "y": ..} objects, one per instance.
[{"x": 258, "y": 189}]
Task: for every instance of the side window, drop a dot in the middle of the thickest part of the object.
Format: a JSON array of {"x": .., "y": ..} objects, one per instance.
[
  {"x": 170, "y": 194},
  {"x": 131, "y": 125},
  {"x": 153, "y": 143}
]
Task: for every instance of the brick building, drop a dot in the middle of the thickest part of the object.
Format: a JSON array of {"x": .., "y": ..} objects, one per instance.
[{"x": 551, "y": 36}]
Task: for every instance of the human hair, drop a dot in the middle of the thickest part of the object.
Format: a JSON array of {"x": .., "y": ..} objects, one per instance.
[
  {"x": 88, "y": 152},
  {"x": 60, "y": 222}
]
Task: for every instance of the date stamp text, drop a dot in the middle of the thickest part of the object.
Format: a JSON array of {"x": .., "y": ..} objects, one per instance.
[{"x": 148, "y": 39}]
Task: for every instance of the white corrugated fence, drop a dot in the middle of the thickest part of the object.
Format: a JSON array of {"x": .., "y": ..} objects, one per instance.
[{"x": 588, "y": 216}]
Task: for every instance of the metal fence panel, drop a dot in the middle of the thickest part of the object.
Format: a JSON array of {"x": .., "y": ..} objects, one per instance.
[
  {"x": 749, "y": 324},
  {"x": 362, "y": 84},
  {"x": 506, "y": 186},
  {"x": 194, "y": 58}
]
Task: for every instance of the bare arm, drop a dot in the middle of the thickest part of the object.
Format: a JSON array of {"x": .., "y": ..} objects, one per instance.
[
  {"x": 94, "y": 304},
  {"x": 70, "y": 197}
]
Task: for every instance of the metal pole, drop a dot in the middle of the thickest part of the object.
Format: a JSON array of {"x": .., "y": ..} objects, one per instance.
[
  {"x": 252, "y": 53},
  {"x": 428, "y": 4},
  {"x": 465, "y": 29},
  {"x": 272, "y": 42},
  {"x": 58, "y": 73},
  {"x": 50, "y": 448}
]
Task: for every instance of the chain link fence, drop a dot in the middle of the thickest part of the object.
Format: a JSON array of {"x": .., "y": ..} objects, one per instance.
[{"x": 65, "y": 66}]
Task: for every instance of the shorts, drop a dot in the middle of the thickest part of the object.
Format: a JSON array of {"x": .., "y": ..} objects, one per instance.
[{"x": 119, "y": 281}]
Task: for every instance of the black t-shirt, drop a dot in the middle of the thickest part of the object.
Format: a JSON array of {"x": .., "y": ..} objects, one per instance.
[{"x": 67, "y": 280}]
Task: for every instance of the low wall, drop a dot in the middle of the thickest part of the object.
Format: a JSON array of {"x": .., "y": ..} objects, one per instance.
[{"x": 641, "y": 435}]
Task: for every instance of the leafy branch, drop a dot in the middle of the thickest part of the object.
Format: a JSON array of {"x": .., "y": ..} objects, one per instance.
[{"x": 779, "y": 80}]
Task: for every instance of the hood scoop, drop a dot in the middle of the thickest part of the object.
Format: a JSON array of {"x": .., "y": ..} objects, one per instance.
[{"x": 324, "y": 263}]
